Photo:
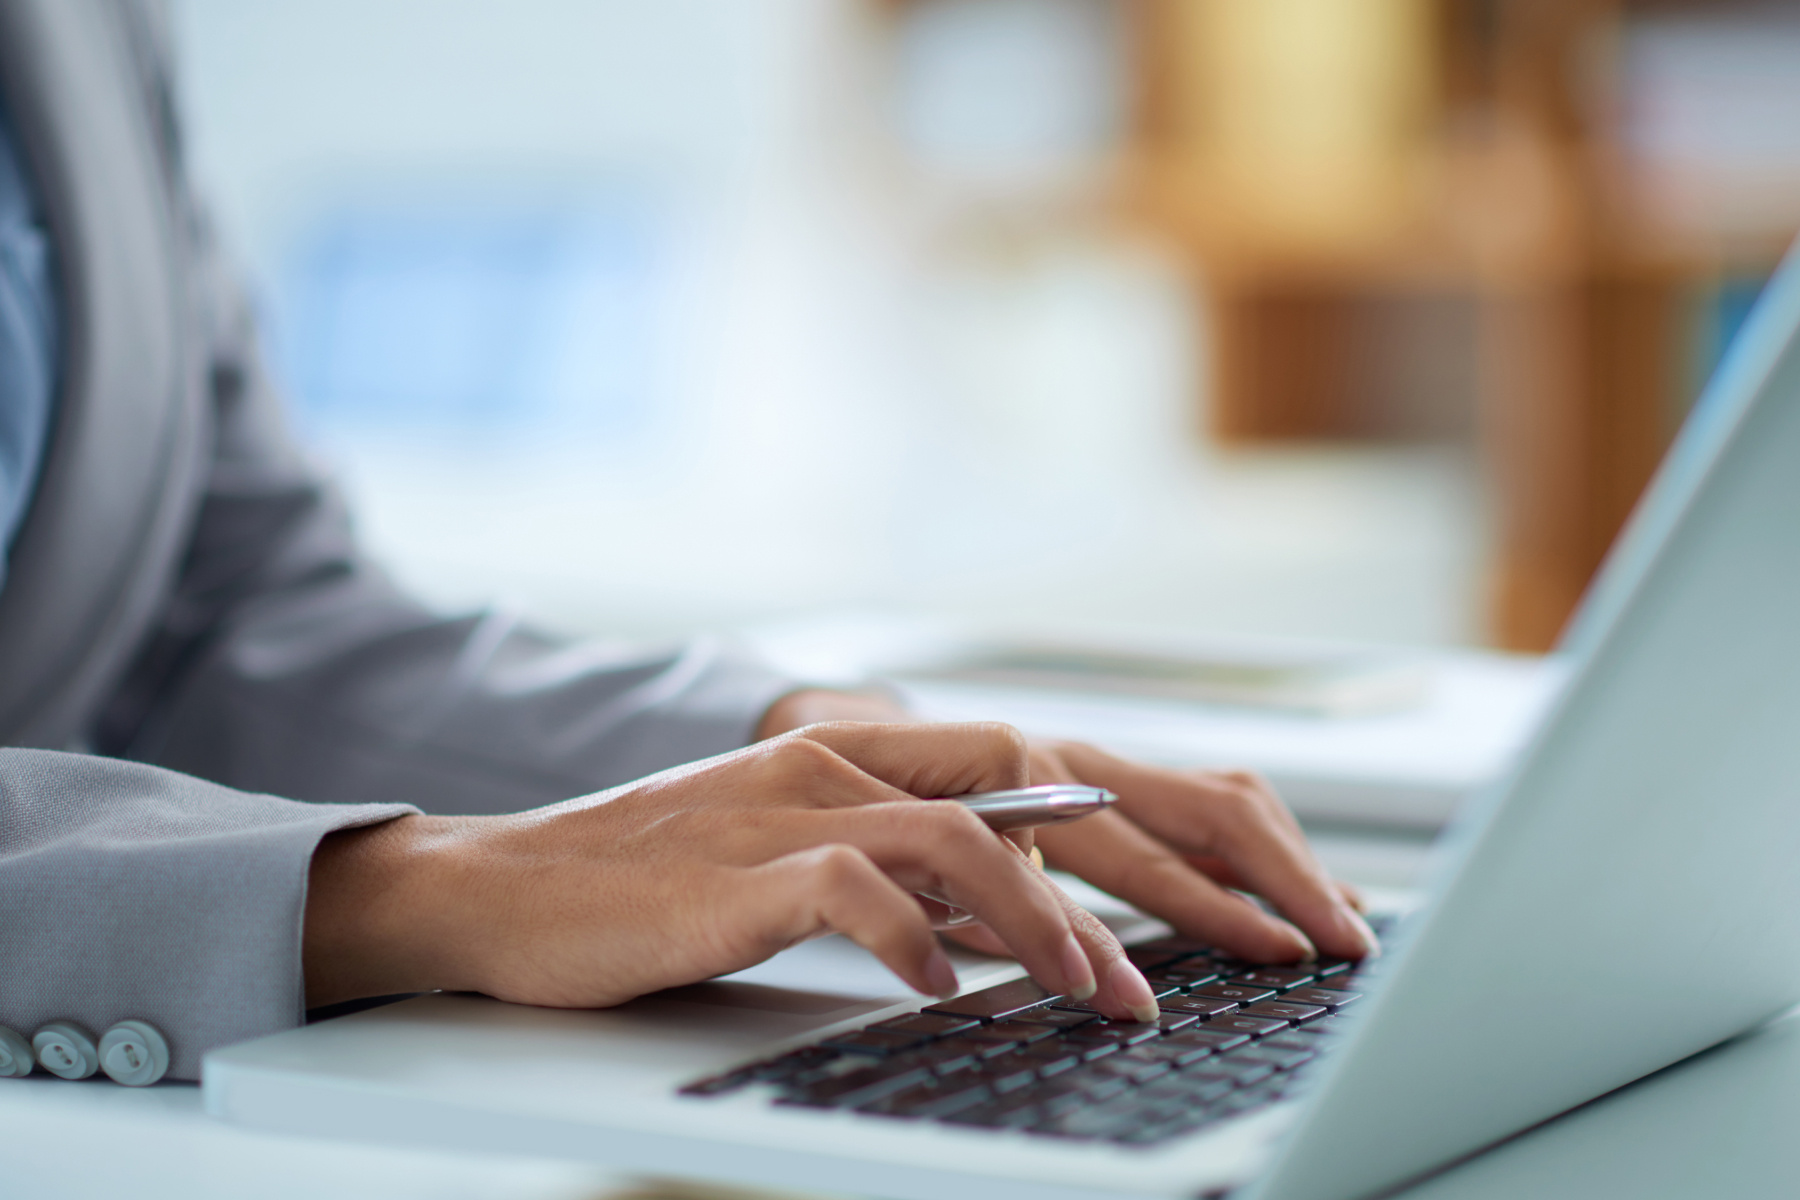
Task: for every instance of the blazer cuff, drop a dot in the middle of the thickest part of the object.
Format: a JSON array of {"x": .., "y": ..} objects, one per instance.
[{"x": 135, "y": 892}]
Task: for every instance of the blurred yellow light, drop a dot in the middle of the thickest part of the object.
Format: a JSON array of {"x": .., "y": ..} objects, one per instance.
[{"x": 1307, "y": 115}]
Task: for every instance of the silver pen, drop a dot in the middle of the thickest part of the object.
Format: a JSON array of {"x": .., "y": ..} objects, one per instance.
[{"x": 1028, "y": 808}]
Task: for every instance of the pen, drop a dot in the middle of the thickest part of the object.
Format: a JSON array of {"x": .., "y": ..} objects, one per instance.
[{"x": 1027, "y": 808}]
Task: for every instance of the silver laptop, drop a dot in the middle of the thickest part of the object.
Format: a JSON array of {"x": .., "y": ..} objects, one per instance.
[{"x": 1630, "y": 896}]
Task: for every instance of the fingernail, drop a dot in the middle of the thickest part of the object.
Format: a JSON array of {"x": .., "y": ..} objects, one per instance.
[
  {"x": 1359, "y": 929},
  {"x": 941, "y": 975},
  {"x": 1078, "y": 972},
  {"x": 1308, "y": 951},
  {"x": 1129, "y": 986}
]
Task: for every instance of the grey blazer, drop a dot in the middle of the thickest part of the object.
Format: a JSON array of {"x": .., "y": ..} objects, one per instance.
[{"x": 200, "y": 676}]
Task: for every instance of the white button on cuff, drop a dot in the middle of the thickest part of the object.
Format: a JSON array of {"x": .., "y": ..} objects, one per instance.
[
  {"x": 16, "y": 1056},
  {"x": 67, "y": 1050},
  {"x": 134, "y": 1053}
]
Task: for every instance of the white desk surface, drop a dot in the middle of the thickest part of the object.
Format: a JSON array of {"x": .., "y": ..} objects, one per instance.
[{"x": 1720, "y": 1124}]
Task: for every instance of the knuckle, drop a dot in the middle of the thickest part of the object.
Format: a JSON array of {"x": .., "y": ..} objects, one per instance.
[
  {"x": 801, "y": 758},
  {"x": 1007, "y": 743},
  {"x": 1238, "y": 805},
  {"x": 838, "y": 866},
  {"x": 949, "y": 826}
]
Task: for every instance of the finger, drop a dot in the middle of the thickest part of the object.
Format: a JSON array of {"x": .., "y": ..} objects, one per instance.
[
  {"x": 979, "y": 938},
  {"x": 945, "y": 852},
  {"x": 1116, "y": 856},
  {"x": 1240, "y": 820},
  {"x": 950, "y": 759},
  {"x": 835, "y": 888},
  {"x": 1122, "y": 991},
  {"x": 1221, "y": 872}
]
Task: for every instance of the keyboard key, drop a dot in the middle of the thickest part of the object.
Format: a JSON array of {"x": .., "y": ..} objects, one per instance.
[
  {"x": 981, "y": 1049},
  {"x": 951, "y": 1055},
  {"x": 1005, "y": 1112},
  {"x": 1182, "y": 976},
  {"x": 872, "y": 1041},
  {"x": 1009, "y": 1074},
  {"x": 1175, "y": 946},
  {"x": 794, "y": 1062},
  {"x": 1171, "y": 1020},
  {"x": 1185, "y": 1054},
  {"x": 1095, "y": 1083},
  {"x": 1254, "y": 1026},
  {"x": 1161, "y": 992},
  {"x": 1206, "y": 1091},
  {"x": 1325, "y": 968},
  {"x": 1331, "y": 998},
  {"x": 1119, "y": 1034},
  {"x": 1169, "y": 1092},
  {"x": 935, "y": 1098},
  {"x": 1279, "y": 978},
  {"x": 1211, "y": 1035},
  {"x": 1162, "y": 1050},
  {"x": 1064, "y": 1094},
  {"x": 1054, "y": 1017},
  {"x": 856, "y": 1087},
  {"x": 1294, "y": 1039},
  {"x": 1237, "y": 993},
  {"x": 1011, "y": 1034},
  {"x": 1227, "y": 1068},
  {"x": 1281, "y": 1010},
  {"x": 1262, "y": 1052},
  {"x": 926, "y": 1024},
  {"x": 1199, "y": 1006},
  {"x": 1050, "y": 1058},
  {"x": 1080, "y": 1007},
  {"x": 998, "y": 1002},
  {"x": 1132, "y": 1071}
]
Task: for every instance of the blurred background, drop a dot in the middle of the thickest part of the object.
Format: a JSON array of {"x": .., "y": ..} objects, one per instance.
[{"x": 1360, "y": 319}]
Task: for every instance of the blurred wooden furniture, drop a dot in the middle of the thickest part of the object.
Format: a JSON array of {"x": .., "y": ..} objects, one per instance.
[{"x": 1366, "y": 187}]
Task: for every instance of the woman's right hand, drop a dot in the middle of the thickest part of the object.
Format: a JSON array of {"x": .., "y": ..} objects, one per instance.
[{"x": 703, "y": 870}]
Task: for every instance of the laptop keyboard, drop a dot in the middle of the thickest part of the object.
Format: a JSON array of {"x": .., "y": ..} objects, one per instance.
[{"x": 1233, "y": 1037}]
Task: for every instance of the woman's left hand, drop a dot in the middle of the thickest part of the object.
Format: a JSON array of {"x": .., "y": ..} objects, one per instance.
[{"x": 1180, "y": 845}]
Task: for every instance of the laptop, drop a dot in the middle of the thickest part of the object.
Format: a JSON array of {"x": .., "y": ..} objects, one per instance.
[{"x": 1629, "y": 896}]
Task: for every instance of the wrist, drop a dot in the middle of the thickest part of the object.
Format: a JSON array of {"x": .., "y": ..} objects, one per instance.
[{"x": 382, "y": 911}]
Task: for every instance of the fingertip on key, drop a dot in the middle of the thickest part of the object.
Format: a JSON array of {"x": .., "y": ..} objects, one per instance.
[
  {"x": 941, "y": 975},
  {"x": 1078, "y": 972},
  {"x": 1133, "y": 992},
  {"x": 1371, "y": 943}
]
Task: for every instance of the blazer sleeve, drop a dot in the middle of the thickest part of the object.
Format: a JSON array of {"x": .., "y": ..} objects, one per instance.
[
  {"x": 289, "y": 663},
  {"x": 131, "y": 892}
]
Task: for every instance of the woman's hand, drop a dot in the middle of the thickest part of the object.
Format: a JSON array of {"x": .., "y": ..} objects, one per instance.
[
  {"x": 1179, "y": 845},
  {"x": 704, "y": 870},
  {"x": 1182, "y": 844}
]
